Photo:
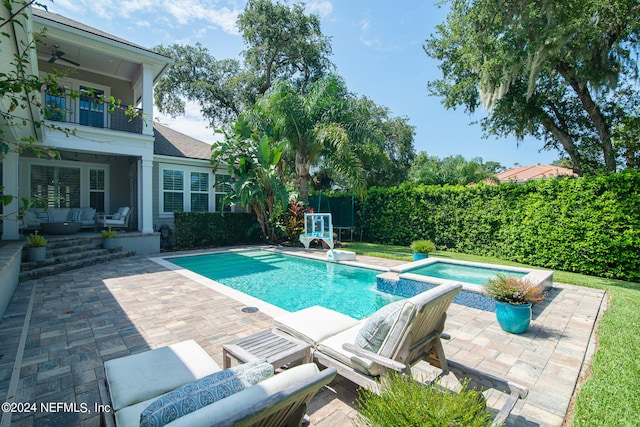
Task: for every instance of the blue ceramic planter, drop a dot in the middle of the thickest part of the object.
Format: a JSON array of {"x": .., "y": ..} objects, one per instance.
[
  {"x": 417, "y": 256},
  {"x": 513, "y": 318}
]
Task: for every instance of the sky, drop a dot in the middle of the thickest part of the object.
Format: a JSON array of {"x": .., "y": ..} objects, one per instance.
[{"x": 377, "y": 49}]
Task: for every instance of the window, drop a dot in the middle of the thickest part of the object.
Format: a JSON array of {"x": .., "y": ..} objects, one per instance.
[
  {"x": 221, "y": 189},
  {"x": 97, "y": 189},
  {"x": 56, "y": 107},
  {"x": 172, "y": 190},
  {"x": 56, "y": 186},
  {"x": 199, "y": 192},
  {"x": 91, "y": 112}
]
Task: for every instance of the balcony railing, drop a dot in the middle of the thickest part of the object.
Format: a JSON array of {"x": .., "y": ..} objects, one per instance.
[{"x": 88, "y": 112}]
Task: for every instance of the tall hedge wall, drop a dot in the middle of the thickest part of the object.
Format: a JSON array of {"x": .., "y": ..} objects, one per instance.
[
  {"x": 206, "y": 229},
  {"x": 589, "y": 225}
]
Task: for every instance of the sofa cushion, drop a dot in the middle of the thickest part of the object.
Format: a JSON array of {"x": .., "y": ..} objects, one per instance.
[
  {"x": 75, "y": 215},
  {"x": 30, "y": 218},
  {"x": 43, "y": 215},
  {"x": 58, "y": 214},
  {"x": 377, "y": 326},
  {"x": 219, "y": 411},
  {"x": 205, "y": 391},
  {"x": 88, "y": 214},
  {"x": 314, "y": 324},
  {"x": 147, "y": 375}
]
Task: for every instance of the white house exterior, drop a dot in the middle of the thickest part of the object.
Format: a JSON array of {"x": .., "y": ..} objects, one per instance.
[{"x": 109, "y": 161}]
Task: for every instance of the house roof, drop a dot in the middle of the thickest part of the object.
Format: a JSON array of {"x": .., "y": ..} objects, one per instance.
[
  {"x": 527, "y": 173},
  {"x": 175, "y": 144},
  {"x": 63, "y": 20}
]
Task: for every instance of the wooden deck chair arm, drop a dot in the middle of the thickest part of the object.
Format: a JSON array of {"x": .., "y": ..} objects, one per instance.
[
  {"x": 488, "y": 381},
  {"x": 375, "y": 358}
]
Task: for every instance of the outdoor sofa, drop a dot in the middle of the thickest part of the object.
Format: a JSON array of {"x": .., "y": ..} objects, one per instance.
[
  {"x": 33, "y": 218},
  {"x": 181, "y": 385}
]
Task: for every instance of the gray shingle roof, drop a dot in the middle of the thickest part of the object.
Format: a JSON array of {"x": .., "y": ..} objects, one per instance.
[{"x": 175, "y": 144}]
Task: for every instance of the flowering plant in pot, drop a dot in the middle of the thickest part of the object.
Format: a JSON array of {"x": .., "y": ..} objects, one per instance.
[
  {"x": 421, "y": 249},
  {"x": 514, "y": 297},
  {"x": 36, "y": 247}
]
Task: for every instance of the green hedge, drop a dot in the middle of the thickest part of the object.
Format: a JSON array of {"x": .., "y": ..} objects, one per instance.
[
  {"x": 589, "y": 225},
  {"x": 207, "y": 229}
]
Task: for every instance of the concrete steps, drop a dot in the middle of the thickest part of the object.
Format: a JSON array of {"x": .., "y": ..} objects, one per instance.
[{"x": 66, "y": 253}]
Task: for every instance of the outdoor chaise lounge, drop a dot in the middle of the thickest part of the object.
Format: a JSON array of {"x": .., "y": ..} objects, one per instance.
[
  {"x": 396, "y": 337},
  {"x": 181, "y": 385}
]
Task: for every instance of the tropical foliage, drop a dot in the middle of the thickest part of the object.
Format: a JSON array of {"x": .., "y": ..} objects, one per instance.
[
  {"x": 452, "y": 170},
  {"x": 252, "y": 161},
  {"x": 562, "y": 71}
]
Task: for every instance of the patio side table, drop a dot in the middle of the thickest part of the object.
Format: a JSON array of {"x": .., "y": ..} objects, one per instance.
[{"x": 279, "y": 349}]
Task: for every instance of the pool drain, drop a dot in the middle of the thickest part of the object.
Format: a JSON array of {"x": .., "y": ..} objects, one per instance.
[{"x": 249, "y": 309}]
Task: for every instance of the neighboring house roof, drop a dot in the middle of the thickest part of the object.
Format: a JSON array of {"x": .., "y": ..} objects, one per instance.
[
  {"x": 175, "y": 144},
  {"x": 528, "y": 173}
]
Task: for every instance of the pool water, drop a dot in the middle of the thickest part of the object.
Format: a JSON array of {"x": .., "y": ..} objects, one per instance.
[
  {"x": 292, "y": 282},
  {"x": 462, "y": 273}
]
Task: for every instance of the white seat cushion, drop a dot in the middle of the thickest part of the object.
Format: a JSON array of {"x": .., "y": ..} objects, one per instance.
[
  {"x": 314, "y": 324},
  {"x": 332, "y": 347},
  {"x": 221, "y": 410},
  {"x": 147, "y": 375}
]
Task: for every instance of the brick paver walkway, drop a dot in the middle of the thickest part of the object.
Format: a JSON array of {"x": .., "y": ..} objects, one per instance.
[{"x": 63, "y": 328}]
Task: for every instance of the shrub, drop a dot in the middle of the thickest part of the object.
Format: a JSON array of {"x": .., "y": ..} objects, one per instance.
[
  {"x": 423, "y": 246},
  {"x": 513, "y": 290},
  {"x": 36, "y": 241},
  {"x": 405, "y": 402}
]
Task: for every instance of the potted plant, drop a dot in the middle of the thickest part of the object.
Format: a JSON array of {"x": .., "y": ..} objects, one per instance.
[
  {"x": 514, "y": 297},
  {"x": 36, "y": 247},
  {"x": 421, "y": 249},
  {"x": 109, "y": 238}
]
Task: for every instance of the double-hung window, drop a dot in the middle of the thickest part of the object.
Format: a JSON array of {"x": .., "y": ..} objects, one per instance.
[
  {"x": 172, "y": 190},
  {"x": 199, "y": 192}
]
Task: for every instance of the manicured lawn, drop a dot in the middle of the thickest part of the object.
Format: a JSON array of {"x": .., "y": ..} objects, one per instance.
[{"x": 611, "y": 394}]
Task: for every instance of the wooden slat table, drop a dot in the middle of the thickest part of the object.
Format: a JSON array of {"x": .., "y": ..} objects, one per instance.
[{"x": 279, "y": 349}]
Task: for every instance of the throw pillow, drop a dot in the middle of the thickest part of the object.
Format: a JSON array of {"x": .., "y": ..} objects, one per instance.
[
  {"x": 43, "y": 216},
  {"x": 205, "y": 391},
  {"x": 75, "y": 215},
  {"x": 375, "y": 330}
]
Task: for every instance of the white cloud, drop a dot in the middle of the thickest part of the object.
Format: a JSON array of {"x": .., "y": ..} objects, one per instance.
[
  {"x": 322, "y": 8},
  {"x": 191, "y": 123}
]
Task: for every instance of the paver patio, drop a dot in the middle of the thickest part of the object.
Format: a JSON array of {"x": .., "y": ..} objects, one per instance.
[{"x": 58, "y": 331}]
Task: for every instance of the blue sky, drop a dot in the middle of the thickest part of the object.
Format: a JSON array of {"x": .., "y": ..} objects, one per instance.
[{"x": 377, "y": 49}]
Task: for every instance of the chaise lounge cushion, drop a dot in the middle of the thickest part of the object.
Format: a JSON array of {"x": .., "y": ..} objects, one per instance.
[
  {"x": 314, "y": 324},
  {"x": 205, "y": 391},
  {"x": 143, "y": 376},
  {"x": 219, "y": 411}
]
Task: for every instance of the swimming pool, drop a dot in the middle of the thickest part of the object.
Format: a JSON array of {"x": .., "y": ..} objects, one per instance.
[
  {"x": 474, "y": 274},
  {"x": 291, "y": 282}
]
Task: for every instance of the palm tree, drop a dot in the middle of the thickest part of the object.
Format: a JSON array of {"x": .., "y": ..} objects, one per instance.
[{"x": 311, "y": 123}]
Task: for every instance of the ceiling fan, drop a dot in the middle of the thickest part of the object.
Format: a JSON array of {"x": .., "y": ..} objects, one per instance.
[{"x": 57, "y": 54}]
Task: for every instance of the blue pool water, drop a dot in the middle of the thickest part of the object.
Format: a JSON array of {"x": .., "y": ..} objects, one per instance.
[
  {"x": 291, "y": 282},
  {"x": 462, "y": 273}
]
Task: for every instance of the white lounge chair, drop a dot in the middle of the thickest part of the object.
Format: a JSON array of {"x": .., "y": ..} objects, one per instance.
[
  {"x": 158, "y": 382},
  {"x": 120, "y": 219},
  {"x": 396, "y": 337}
]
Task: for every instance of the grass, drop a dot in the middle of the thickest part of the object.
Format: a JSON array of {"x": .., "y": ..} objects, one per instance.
[{"x": 610, "y": 394}]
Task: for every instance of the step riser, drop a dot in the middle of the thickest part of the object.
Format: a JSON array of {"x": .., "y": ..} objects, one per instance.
[{"x": 68, "y": 254}]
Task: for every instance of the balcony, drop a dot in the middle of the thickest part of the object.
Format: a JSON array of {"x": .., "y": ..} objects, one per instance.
[{"x": 87, "y": 111}]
